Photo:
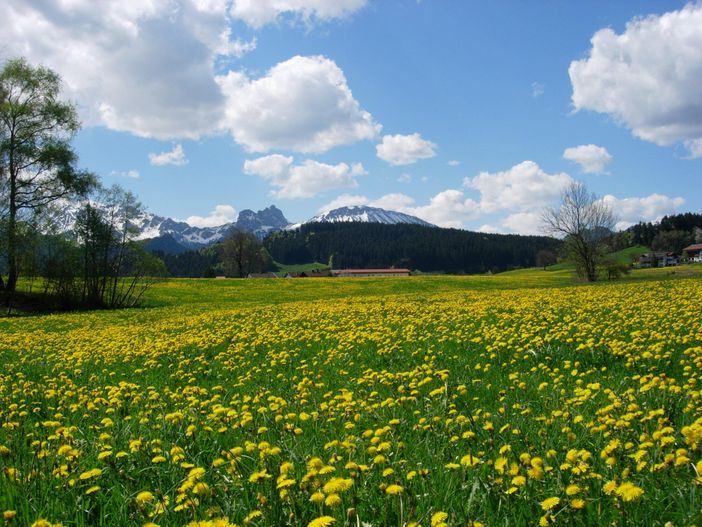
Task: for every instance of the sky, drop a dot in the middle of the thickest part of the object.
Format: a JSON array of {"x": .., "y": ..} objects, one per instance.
[{"x": 469, "y": 114}]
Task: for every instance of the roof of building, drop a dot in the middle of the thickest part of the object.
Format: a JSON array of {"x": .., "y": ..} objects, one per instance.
[
  {"x": 693, "y": 247},
  {"x": 366, "y": 271}
]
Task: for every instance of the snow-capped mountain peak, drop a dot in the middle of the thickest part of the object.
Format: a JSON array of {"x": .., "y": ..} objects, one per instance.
[{"x": 362, "y": 213}]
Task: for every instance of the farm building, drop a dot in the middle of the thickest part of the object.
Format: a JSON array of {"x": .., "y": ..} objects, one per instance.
[
  {"x": 693, "y": 252},
  {"x": 658, "y": 259},
  {"x": 371, "y": 272},
  {"x": 261, "y": 275}
]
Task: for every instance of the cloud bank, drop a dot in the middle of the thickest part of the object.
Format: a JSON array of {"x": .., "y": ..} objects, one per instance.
[
  {"x": 648, "y": 78},
  {"x": 305, "y": 180}
]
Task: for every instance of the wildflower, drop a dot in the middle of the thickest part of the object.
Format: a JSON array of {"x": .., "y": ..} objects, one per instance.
[
  {"x": 337, "y": 485},
  {"x": 258, "y": 476},
  {"x": 317, "y": 497},
  {"x": 610, "y": 487},
  {"x": 8, "y": 515},
  {"x": 394, "y": 490},
  {"x": 629, "y": 492},
  {"x": 144, "y": 497},
  {"x": 322, "y": 521},
  {"x": 572, "y": 490},
  {"x": 333, "y": 500},
  {"x": 92, "y": 490},
  {"x": 577, "y": 503},
  {"x": 438, "y": 519},
  {"x": 550, "y": 503},
  {"x": 518, "y": 481},
  {"x": 89, "y": 474},
  {"x": 469, "y": 461}
]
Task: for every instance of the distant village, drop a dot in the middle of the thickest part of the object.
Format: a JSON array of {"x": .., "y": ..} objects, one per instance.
[
  {"x": 327, "y": 273},
  {"x": 690, "y": 254}
]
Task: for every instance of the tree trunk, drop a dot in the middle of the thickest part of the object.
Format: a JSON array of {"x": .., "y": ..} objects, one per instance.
[{"x": 13, "y": 270}]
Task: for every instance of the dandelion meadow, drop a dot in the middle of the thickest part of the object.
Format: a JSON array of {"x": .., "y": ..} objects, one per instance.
[{"x": 433, "y": 401}]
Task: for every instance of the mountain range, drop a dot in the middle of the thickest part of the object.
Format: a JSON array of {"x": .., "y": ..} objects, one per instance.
[{"x": 173, "y": 236}]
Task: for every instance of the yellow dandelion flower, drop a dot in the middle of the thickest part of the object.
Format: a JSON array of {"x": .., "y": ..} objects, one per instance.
[
  {"x": 144, "y": 497},
  {"x": 92, "y": 490},
  {"x": 322, "y": 521},
  {"x": 89, "y": 474},
  {"x": 629, "y": 492},
  {"x": 317, "y": 497},
  {"x": 201, "y": 488},
  {"x": 333, "y": 500},
  {"x": 8, "y": 515},
  {"x": 610, "y": 487},
  {"x": 258, "y": 476},
  {"x": 550, "y": 503},
  {"x": 518, "y": 481},
  {"x": 438, "y": 518},
  {"x": 572, "y": 490},
  {"x": 469, "y": 461},
  {"x": 577, "y": 503},
  {"x": 394, "y": 490}
]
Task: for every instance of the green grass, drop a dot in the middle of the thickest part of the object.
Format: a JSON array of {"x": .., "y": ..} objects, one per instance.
[
  {"x": 244, "y": 375},
  {"x": 298, "y": 268}
]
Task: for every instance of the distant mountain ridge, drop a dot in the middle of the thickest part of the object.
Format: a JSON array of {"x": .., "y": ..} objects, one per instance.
[
  {"x": 365, "y": 214},
  {"x": 174, "y": 236},
  {"x": 158, "y": 229}
]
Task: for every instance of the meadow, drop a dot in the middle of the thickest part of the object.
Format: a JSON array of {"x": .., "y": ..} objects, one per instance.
[{"x": 515, "y": 399}]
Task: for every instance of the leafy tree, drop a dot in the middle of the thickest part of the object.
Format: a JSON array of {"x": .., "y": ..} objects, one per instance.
[
  {"x": 672, "y": 241},
  {"x": 37, "y": 163},
  {"x": 241, "y": 254},
  {"x": 544, "y": 258},
  {"x": 584, "y": 222}
]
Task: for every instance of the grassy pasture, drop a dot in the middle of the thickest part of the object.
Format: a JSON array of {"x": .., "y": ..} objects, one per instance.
[{"x": 515, "y": 399}]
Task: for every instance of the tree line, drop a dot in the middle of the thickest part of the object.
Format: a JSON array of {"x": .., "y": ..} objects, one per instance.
[
  {"x": 429, "y": 249},
  {"x": 671, "y": 234},
  {"x": 41, "y": 187}
]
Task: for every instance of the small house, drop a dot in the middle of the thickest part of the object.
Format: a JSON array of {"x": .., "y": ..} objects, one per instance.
[
  {"x": 658, "y": 259},
  {"x": 693, "y": 253},
  {"x": 261, "y": 275}
]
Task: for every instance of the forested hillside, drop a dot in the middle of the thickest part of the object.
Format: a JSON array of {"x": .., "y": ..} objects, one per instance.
[{"x": 366, "y": 245}]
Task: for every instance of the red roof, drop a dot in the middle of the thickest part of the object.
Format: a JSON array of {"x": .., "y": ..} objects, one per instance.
[
  {"x": 365, "y": 271},
  {"x": 694, "y": 247}
]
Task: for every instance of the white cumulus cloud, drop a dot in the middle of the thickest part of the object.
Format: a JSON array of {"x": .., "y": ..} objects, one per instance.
[
  {"x": 592, "y": 158},
  {"x": 303, "y": 104},
  {"x": 257, "y": 13},
  {"x": 132, "y": 174},
  {"x": 405, "y": 149},
  {"x": 174, "y": 157},
  {"x": 304, "y": 180},
  {"x": 651, "y": 208},
  {"x": 648, "y": 78},
  {"x": 139, "y": 67},
  {"x": 528, "y": 223},
  {"x": 221, "y": 215},
  {"x": 521, "y": 188}
]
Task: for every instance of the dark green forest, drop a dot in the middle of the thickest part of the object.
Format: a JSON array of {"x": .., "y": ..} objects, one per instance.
[{"x": 367, "y": 245}]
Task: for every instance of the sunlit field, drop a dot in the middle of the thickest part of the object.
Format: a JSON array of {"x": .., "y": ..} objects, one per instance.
[{"x": 433, "y": 401}]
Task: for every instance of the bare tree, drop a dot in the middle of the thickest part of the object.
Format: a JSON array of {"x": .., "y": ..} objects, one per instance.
[{"x": 584, "y": 222}]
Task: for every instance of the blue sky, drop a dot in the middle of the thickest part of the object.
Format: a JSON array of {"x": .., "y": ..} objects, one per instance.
[{"x": 467, "y": 114}]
